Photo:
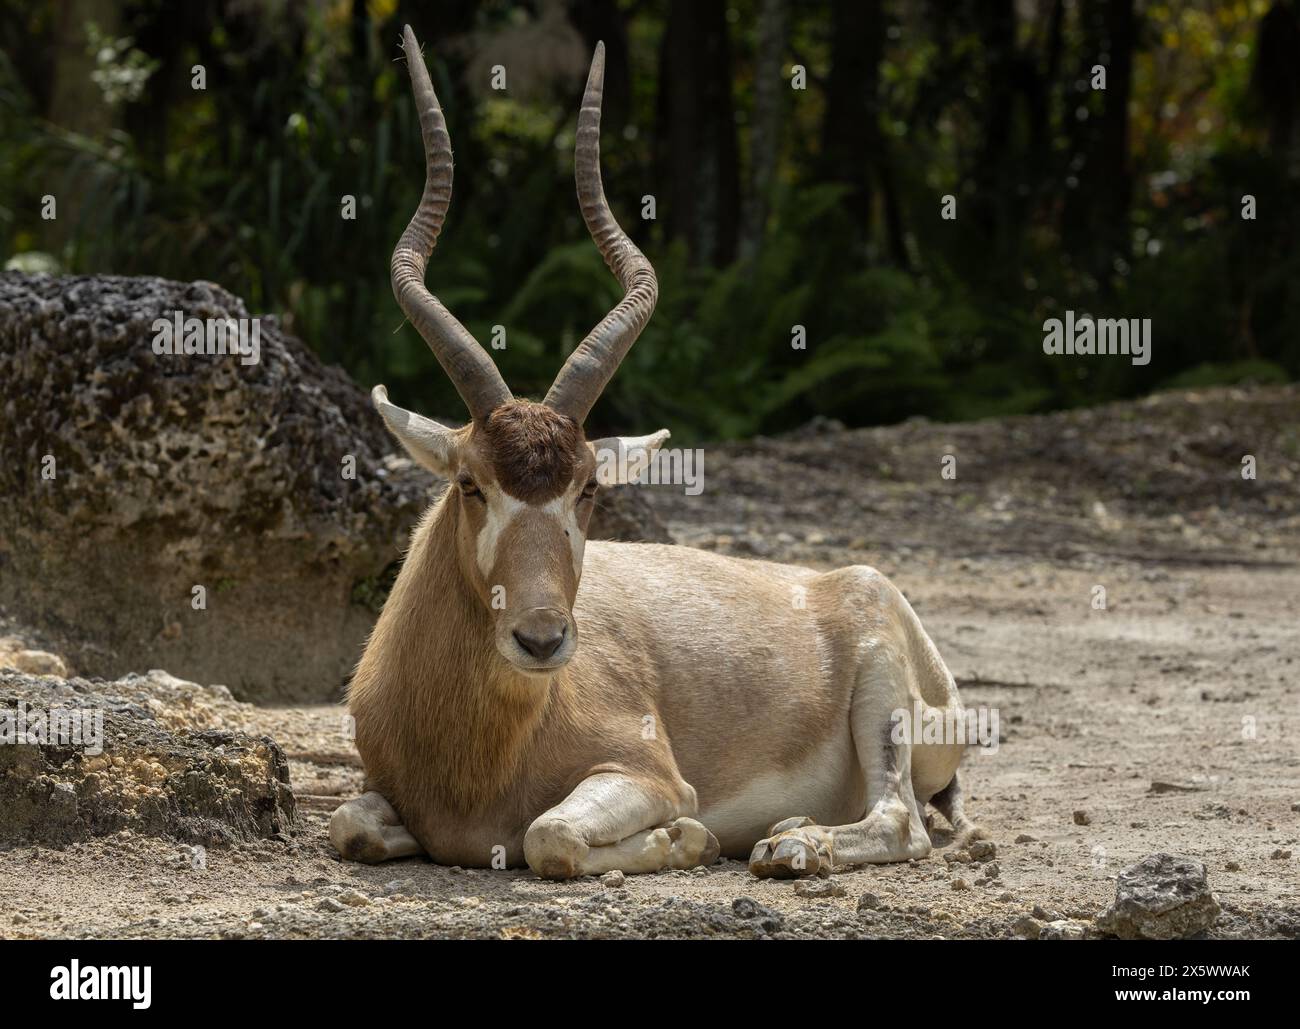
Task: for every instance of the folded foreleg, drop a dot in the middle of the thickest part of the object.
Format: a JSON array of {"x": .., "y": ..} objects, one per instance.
[{"x": 617, "y": 821}]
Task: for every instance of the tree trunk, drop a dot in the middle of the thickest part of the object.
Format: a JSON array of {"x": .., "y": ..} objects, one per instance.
[
  {"x": 849, "y": 126},
  {"x": 1096, "y": 212},
  {"x": 765, "y": 127},
  {"x": 697, "y": 155},
  {"x": 76, "y": 103},
  {"x": 997, "y": 173},
  {"x": 1275, "y": 78},
  {"x": 1113, "y": 155}
]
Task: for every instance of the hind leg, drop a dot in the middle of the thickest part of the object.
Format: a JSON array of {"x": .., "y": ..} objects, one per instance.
[
  {"x": 948, "y": 802},
  {"x": 369, "y": 830},
  {"x": 889, "y": 680},
  {"x": 893, "y": 829}
]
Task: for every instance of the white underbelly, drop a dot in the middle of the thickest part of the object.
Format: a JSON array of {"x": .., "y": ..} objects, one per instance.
[{"x": 827, "y": 787}]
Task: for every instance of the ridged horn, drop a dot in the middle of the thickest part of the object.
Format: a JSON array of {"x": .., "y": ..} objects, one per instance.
[
  {"x": 466, "y": 363},
  {"x": 594, "y": 361}
]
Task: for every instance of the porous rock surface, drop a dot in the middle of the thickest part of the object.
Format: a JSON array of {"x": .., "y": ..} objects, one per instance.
[
  {"x": 1162, "y": 897},
  {"x": 153, "y": 754},
  {"x": 131, "y": 478}
]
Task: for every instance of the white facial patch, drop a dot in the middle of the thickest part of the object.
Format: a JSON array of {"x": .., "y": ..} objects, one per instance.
[
  {"x": 566, "y": 512},
  {"x": 501, "y": 511}
]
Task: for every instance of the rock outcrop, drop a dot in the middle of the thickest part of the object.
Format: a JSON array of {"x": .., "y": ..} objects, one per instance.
[
  {"x": 624, "y": 513},
  {"x": 236, "y": 522},
  {"x": 147, "y": 753}
]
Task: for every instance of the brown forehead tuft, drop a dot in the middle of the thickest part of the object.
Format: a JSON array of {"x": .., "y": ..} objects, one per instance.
[{"x": 535, "y": 449}]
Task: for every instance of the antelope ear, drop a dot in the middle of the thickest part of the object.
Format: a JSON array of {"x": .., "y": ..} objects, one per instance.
[
  {"x": 430, "y": 443},
  {"x": 621, "y": 459}
]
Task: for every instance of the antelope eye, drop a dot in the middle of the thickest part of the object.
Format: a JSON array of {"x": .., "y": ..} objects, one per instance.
[
  {"x": 589, "y": 490},
  {"x": 467, "y": 487}
]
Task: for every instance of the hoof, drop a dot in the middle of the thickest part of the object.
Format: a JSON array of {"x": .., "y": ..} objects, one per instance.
[
  {"x": 693, "y": 844},
  {"x": 792, "y": 854},
  {"x": 554, "y": 849}
]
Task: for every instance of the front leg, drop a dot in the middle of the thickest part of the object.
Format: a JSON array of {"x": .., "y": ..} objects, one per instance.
[
  {"x": 368, "y": 829},
  {"x": 613, "y": 820}
]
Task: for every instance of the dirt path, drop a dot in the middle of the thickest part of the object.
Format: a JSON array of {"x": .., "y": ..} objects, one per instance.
[{"x": 1167, "y": 721}]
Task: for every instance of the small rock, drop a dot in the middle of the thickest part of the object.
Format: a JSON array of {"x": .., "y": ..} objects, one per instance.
[
  {"x": 329, "y": 904},
  {"x": 1026, "y": 927},
  {"x": 983, "y": 850},
  {"x": 869, "y": 902},
  {"x": 1173, "y": 787},
  {"x": 1063, "y": 929},
  {"x": 1232, "y": 866},
  {"x": 960, "y": 884},
  {"x": 406, "y": 886},
  {"x": 37, "y": 662},
  {"x": 1025, "y": 838},
  {"x": 354, "y": 898},
  {"x": 613, "y": 880},
  {"x": 819, "y": 888},
  {"x": 1162, "y": 897},
  {"x": 1082, "y": 818},
  {"x": 1046, "y": 914},
  {"x": 746, "y": 907},
  {"x": 957, "y": 857},
  {"x": 1280, "y": 855}
]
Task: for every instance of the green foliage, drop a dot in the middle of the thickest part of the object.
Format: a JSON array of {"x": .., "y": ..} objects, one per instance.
[
  {"x": 242, "y": 183},
  {"x": 1235, "y": 373}
]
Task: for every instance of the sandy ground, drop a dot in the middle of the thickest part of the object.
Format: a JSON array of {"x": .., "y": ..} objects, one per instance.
[{"x": 1166, "y": 722}]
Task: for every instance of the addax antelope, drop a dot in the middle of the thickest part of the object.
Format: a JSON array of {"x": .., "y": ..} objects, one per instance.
[{"x": 528, "y": 697}]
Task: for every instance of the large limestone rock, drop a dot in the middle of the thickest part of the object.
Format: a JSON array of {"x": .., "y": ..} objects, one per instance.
[
  {"x": 623, "y": 513},
  {"x": 193, "y": 512},
  {"x": 149, "y": 753}
]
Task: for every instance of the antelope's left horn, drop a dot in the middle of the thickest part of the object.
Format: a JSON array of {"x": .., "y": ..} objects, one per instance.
[{"x": 593, "y": 363}]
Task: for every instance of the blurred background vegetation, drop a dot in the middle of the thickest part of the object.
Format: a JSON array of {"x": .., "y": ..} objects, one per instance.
[{"x": 775, "y": 206}]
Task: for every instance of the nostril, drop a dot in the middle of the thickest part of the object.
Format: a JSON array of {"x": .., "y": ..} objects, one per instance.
[{"x": 540, "y": 647}]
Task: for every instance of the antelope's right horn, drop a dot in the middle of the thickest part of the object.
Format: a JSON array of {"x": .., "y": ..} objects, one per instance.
[{"x": 466, "y": 363}]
